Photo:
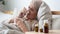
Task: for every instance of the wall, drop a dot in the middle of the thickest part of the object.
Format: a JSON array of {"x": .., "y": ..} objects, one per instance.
[
  {"x": 54, "y": 4},
  {"x": 11, "y": 4}
]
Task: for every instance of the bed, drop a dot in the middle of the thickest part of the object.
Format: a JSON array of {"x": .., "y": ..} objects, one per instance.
[{"x": 6, "y": 30}]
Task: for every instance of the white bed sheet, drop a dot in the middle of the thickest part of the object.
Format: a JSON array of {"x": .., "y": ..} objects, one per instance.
[
  {"x": 5, "y": 27},
  {"x": 4, "y": 16}
]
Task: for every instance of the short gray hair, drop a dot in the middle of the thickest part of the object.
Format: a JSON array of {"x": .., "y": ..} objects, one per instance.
[{"x": 36, "y": 4}]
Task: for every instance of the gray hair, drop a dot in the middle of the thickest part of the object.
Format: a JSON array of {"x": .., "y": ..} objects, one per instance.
[{"x": 36, "y": 4}]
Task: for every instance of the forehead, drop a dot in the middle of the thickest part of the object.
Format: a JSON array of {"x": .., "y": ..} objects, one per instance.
[{"x": 31, "y": 5}]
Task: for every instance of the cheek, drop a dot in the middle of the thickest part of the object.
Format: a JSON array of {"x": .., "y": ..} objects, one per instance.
[
  {"x": 31, "y": 16},
  {"x": 34, "y": 15}
]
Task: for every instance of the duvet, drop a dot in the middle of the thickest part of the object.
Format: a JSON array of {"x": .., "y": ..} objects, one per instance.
[{"x": 6, "y": 28}]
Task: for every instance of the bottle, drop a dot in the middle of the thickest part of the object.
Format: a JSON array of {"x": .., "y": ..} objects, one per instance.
[
  {"x": 41, "y": 29},
  {"x": 46, "y": 26},
  {"x": 36, "y": 28}
]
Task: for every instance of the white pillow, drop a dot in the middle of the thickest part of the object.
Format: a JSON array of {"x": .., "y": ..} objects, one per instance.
[
  {"x": 4, "y": 16},
  {"x": 56, "y": 22}
]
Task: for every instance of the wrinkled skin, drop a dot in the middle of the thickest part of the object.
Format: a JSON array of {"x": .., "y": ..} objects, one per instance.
[
  {"x": 23, "y": 12},
  {"x": 32, "y": 13},
  {"x": 30, "y": 16}
]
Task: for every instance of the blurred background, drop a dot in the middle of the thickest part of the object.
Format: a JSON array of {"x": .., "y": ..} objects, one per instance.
[
  {"x": 11, "y": 4},
  {"x": 8, "y": 6}
]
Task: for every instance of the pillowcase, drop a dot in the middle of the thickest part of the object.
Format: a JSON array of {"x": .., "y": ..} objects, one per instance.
[{"x": 56, "y": 22}]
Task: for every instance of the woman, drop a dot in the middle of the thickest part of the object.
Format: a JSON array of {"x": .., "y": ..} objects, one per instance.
[
  {"x": 42, "y": 12},
  {"x": 38, "y": 11}
]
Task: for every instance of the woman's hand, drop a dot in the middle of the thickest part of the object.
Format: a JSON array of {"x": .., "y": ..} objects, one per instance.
[
  {"x": 23, "y": 12},
  {"x": 11, "y": 21},
  {"x": 21, "y": 25}
]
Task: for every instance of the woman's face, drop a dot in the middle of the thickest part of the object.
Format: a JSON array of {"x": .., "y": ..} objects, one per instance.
[{"x": 32, "y": 13}]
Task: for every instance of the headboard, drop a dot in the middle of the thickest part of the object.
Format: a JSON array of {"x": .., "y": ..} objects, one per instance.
[{"x": 55, "y": 12}]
